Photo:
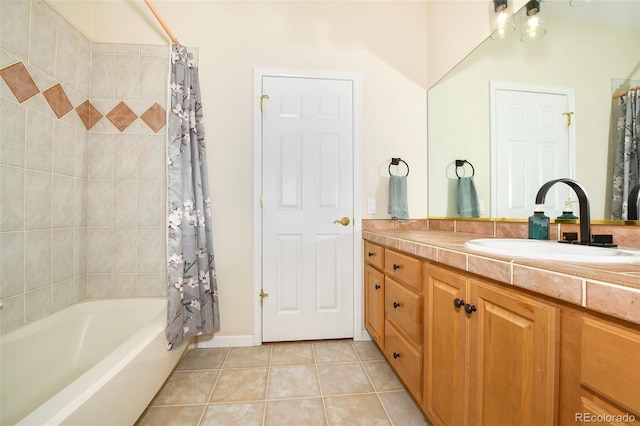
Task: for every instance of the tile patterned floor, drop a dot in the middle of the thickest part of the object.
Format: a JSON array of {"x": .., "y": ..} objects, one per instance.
[{"x": 333, "y": 382}]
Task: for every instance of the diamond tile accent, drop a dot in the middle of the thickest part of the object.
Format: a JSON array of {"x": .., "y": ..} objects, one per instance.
[
  {"x": 88, "y": 114},
  {"x": 154, "y": 117},
  {"x": 58, "y": 100},
  {"x": 121, "y": 116},
  {"x": 19, "y": 81}
]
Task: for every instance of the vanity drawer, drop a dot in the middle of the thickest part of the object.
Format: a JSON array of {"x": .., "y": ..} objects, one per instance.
[
  {"x": 610, "y": 356},
  {"x": 405, "y": 359},
  {"x": 374, "y": 254},
  {"x": 404, "y": 268},
  {"x": 404, "y": 307}
]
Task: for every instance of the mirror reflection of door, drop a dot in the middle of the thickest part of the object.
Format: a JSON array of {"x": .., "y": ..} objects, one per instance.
[{"x": 532, "y": 142}]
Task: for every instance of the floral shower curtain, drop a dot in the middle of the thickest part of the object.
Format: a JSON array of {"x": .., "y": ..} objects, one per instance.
[
  {"x": 192, "y": 291},
  {"x": 626, "y": 162}
]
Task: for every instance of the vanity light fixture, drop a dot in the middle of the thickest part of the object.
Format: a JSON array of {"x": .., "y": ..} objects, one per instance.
[
  {"x": 501, "y": 18},
  {"x": 533, "y": 25}
]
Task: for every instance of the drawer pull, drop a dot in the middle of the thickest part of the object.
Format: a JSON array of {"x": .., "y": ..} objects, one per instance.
[
  {"x": 371, "y": 254},
  {"x": 458, "y": 302},
  {"x": 396, "y": 266},
  {"x": 396, "y": 355},
  {"x": 396, "y": 305},
  {"x": 469, "y": 308},
  {"x": 377, "y": 286}
]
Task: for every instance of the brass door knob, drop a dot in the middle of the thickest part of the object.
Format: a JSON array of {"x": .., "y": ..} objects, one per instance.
[{"x": 345, "y": 221}]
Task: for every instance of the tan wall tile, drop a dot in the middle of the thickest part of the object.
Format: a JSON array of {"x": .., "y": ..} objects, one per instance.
[{"x": 561, "y": 287}]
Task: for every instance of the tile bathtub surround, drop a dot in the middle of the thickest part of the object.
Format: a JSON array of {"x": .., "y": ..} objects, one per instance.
[
  {"x": 332, "y": 382},
  {"x": 81, "y": 165},
  {"x": 611, "y": 289}
]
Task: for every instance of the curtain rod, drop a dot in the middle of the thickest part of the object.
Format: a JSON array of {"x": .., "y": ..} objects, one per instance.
[
  {"x": 161, "y": 21},
  {"x": 621, "y": 94}
]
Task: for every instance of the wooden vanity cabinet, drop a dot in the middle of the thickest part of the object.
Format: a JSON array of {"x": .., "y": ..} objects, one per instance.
[
  {"x": 609, "y": 373},
  {"x": 491, "y": 354},
  {"x": 374, "y": 285}
]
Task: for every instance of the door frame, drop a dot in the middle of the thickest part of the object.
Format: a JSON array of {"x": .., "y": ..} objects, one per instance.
[
  {"x": 533, "y": 88},
  {"x": 259, "y": 72}
]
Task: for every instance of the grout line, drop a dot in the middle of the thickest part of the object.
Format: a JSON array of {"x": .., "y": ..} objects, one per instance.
[
  {"x": 266, "y": 388},
  {"x": 322, "y": 396},
  {"x": 206, "y": 404}
]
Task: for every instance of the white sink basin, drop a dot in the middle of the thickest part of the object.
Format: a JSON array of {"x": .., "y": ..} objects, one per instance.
[{"x": 552, "y": 250}]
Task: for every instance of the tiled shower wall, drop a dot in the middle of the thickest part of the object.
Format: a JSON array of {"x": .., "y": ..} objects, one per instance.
[{"x": 81, "y": 166}]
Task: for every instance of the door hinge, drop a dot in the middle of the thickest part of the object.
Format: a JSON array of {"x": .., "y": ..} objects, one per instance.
[
  {"x": 262, "y": 296},
  {"x": 261, "y": 201},
  {"x": 568, "y": 115},
  {"x": 262, "y": 98}
]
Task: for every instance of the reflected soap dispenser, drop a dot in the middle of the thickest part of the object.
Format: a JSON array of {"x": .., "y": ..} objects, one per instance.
[{"x": 539, "y": 225}]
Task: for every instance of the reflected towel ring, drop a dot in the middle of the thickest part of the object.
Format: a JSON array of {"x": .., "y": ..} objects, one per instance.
[
  {"x": 395, "y": 162},
  {"x": 460, "y": 163}
]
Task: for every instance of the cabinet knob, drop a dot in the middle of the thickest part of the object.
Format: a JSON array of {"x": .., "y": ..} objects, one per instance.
[
  {"x": 396, "y": 355},
  {"x": 377, "y": 286},
  {"x": 396, "y": 305},
  {"x": 458, "y": 302},
  {"x": 469, "y": 308},
  {"x": 396, "y": 266},
  {"x": 371, "y": 254}
]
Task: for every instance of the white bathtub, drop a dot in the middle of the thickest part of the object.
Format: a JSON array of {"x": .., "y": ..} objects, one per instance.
[{"x": 94, "y": 363}]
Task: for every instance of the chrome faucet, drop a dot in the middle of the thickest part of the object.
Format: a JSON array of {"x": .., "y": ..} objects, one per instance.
[
  {"x": 583, "y": 203},
  {"x": 632, "y": 205}
]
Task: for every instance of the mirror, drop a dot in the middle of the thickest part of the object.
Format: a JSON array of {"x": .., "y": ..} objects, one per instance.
[{"x": 591, "y": 49}]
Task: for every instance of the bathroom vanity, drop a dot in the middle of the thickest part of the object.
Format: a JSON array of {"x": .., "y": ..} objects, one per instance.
[{"x": 492, "y": 340}]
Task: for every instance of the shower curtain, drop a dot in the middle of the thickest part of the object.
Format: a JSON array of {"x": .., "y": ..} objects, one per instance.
[
  {"x": 626, "y": 162},
  {"x": 192, "y": 291}
]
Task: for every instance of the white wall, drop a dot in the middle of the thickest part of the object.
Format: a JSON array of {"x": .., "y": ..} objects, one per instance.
[{"x": 384, "y": 41}]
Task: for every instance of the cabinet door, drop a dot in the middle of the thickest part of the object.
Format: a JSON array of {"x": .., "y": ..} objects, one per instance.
[
  {"x": 445, "y": 342},
  {"x": 514, "y": 358},
  {"x": 374, "y": 304}
]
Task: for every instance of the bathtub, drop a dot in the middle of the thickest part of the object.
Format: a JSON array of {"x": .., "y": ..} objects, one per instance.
[{"x": 95, "y": 363}]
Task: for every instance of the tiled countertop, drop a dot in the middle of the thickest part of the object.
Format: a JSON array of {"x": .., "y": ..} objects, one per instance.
[{"x": 612, "y": 289}]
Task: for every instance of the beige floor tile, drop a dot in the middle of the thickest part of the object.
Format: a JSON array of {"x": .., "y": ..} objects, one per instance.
[
  {"x": 293, "y": 382},
  {"x": 402, "y": 409},
  {"x": 242, "y": 384},
  {"x": 328, "y": 351},
  {"x": 368, "y": 351},
  {"x": 203, "y": 359},
  {"x": 307, "y": 412},
  {"x": 236, "y": 414},
  {"x": 255, "y": 356},
  {"x": 180, "y": 415},
  {"x": 186, "y": 387},
  {"x": 292, "y": 354},
  {"x": 354, "y": 410},
  {"x": 382, "y": 376},
  {"x": 341, "y": 379}
]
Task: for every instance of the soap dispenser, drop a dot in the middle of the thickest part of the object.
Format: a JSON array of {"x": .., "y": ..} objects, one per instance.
[
  {"x": 539, "y": 225},
  {"x": 567, "y": 213}
]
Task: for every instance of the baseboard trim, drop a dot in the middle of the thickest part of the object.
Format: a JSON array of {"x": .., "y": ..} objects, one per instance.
[{"x": 216, "y": 341}]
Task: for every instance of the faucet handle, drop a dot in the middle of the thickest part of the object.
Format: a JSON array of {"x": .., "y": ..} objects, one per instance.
[
  {"x": 604, "y": 240},
  {"x": 570, "y": 237}
]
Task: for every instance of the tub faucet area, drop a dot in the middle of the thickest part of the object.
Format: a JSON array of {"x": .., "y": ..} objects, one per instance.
[{"x": 583, "y": 204}]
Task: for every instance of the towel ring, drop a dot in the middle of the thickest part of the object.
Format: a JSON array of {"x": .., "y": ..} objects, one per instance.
[
  {"x": 460, "y": 163},
  {"x": 395, "y": 162}
]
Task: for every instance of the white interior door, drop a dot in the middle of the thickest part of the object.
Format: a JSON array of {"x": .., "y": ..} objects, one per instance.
[
  {"x": 307, "y": 258},
  {"x": 532, "y": 144}
]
